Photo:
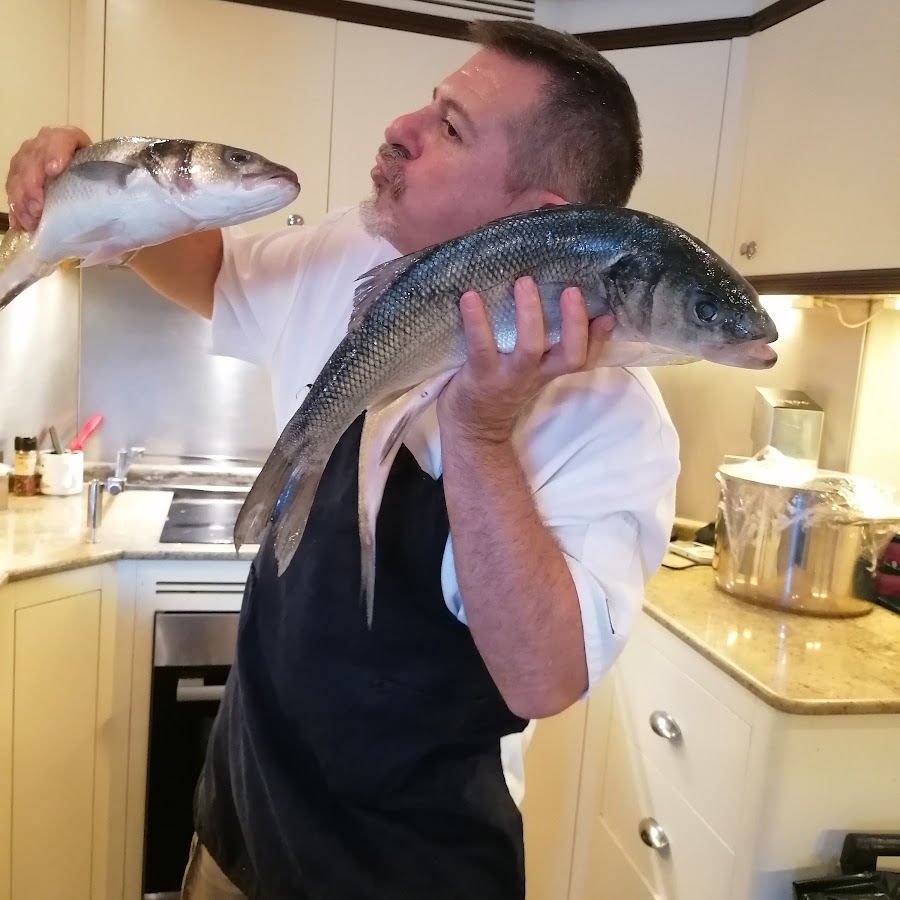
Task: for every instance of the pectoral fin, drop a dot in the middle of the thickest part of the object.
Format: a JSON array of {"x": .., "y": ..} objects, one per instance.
[
  {"x": 103, "y": 171},
  {"x": 386, "y": 425}
]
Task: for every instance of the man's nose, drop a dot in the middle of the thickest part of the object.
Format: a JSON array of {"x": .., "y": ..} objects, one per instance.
[{"x": 406, "y": 132}]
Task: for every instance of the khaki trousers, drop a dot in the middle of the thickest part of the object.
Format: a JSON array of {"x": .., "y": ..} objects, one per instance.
[{"x": 204, "y": 880}]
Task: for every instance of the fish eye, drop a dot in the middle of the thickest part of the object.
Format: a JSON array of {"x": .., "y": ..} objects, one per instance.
[
  {"x": 238, "y": 157},
  {"x": 706, "y": 309}
]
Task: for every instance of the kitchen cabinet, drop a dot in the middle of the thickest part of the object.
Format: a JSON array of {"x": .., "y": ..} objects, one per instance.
[
  {"x": 37, "y": 61},
  {"x": 692, "y": 787},
  {"x": 64, "y": 646},
  {"x": 680, "y": 92},
  {"x": 552, "y": 778},
  {"x": 379, "y": 74},
  {"x": 255, "y": 78},
  {"x": 821, "y": 179}
]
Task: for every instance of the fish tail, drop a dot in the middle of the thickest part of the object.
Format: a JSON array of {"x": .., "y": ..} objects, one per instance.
[
  {"x": 292, "y": 510},
  {"x": 367, "y": 547},
  {"x": 20, "y": 267},
  {"x": 259, "y": 505}
]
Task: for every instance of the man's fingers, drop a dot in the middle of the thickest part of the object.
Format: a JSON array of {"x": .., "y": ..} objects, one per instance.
[
  {"x": 46, "y": 155},
  {"x": 481, "y": 349},
  {"x": 598, "y": 336},
  {"x": 530, "y": 336}
]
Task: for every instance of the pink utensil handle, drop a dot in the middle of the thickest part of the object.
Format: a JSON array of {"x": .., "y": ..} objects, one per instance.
[{"x": 89, "y": 428}]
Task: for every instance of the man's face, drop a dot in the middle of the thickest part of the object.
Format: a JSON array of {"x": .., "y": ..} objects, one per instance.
[{"x": 443, "y": 169}]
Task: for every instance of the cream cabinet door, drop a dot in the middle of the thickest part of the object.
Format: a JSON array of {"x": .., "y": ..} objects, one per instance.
[
  {"x": 821, "y": 178},
  {"x": 552, "y": 778},
  {"x": 65, "y": 645},
  {"x": 255, "y": 78},
  {"x": 680, "y": 93},
  {"x": 54, "y": 735},
  {"x": 36, "y": 62}
]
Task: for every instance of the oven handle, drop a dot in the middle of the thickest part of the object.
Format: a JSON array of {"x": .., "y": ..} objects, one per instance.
[{"x": 188, "y": 691}]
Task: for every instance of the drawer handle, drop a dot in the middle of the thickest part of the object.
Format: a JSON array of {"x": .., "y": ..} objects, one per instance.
[
  {"x": 664, "y": 725},
  {"x": 652, "y": 834}
]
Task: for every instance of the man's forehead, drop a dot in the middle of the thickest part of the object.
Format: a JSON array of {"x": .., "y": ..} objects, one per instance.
[{"x": 489, "y": 78}]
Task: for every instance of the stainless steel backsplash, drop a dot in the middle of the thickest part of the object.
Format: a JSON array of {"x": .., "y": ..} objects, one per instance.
[
  {"x": 146, "y": 366},
  {"x": 39, "y": 361}
]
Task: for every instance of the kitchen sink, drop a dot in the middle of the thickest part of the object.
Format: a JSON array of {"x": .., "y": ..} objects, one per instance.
[{"x": 203, "y": 515}]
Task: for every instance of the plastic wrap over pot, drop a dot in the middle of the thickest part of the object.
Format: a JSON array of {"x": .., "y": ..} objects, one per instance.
[{"x": 774, "y": 491}]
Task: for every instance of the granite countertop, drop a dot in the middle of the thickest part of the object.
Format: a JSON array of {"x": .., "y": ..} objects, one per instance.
[
  {"x": 799, "y": 664},
  {"x": 40, "y": 535},
  {"x": 796, "y": 663}
]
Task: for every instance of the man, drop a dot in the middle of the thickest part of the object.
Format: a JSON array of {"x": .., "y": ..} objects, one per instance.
[{"x": 349, "y": 764}]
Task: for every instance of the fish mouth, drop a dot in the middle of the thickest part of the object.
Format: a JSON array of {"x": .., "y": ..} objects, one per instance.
[
  {"x": 281, "y": 177},
  {"x": 758, "y": 354}
]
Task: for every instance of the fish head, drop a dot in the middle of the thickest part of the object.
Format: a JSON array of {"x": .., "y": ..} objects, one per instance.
[
  {"x": 221, "y": 185},
  {"x": 677, "y": 293}
]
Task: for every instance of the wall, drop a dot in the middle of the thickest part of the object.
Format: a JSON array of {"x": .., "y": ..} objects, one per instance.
[
  {"x": 875, "y": 450},
  {"x": 39, "y": 361},
  {"x": 712, "y": 405}
]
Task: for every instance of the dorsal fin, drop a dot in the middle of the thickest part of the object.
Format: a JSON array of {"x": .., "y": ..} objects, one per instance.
[{"x": 375, "y": 282}]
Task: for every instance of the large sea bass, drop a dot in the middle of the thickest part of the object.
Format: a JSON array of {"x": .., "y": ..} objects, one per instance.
[
  {"x": 674, "y": 300},
  {"x": 131, "y": 192}
]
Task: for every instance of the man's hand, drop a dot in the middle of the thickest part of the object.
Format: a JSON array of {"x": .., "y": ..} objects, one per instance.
[
  {"x": 487, "y": 396},
  {"x": 43, "y": 156}
]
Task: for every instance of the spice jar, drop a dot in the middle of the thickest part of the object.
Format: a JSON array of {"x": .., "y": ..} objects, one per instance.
[{"x": 25, "y": 468}]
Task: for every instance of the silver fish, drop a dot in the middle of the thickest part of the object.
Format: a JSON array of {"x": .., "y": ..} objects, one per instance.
[
  {"x": 674, "y": 300},
  {"x": 126, "y": 193}
]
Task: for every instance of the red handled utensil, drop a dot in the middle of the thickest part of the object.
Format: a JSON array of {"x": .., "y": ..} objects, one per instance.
[{"x": 87, "y": 430}]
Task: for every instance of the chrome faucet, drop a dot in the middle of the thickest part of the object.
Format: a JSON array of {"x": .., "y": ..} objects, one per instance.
[
  {"x": 94, "y": 509},
  {"x": 115, "y": 484}
]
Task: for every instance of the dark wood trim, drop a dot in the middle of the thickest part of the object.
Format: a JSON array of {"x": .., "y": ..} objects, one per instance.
[
  {"x": 778, "y": 12},
  {"x": 695, "y": 32},
  {"x": 860, "y": 281},
  {"x": 4, "y": 221},
  {"x": 363, "y": 14},
  {"x": 617, "y": 39},
  {"x": 677, "y": 33}
]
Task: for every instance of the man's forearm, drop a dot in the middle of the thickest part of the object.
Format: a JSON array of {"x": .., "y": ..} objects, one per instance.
[
  {"x": 521, "y": 603},
  {"x": 183, "y": 270}
]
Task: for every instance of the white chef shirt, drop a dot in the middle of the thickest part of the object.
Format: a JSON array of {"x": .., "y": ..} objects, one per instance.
[{"x": 598, "y": 448}]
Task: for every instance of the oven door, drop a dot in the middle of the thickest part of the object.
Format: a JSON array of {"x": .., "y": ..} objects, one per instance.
[{"x": 192, "y": 655}]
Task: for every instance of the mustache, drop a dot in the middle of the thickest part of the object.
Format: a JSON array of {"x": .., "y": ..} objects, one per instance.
[{"x": 390, "y": 157}]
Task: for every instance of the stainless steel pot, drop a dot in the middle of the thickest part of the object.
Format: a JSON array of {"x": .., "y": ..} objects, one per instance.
[{"x": 801, "y": 547}]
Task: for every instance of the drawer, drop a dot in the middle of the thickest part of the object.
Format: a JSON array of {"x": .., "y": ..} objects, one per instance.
[
  {"x": 604, "y": 872},
  {"x": 696, "y": 864},
  {"x": 707, "y": 761}
]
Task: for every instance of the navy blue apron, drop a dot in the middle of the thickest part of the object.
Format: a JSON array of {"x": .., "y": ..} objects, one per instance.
[{"x": 356, "y": 764}]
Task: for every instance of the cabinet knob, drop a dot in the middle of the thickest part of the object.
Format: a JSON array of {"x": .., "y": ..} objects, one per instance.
[
  {"x": 295, "y": 219},
  {"x": 664, "y": 725},
  {"x": 748, "y": 249},
  {"x": 652, "y": 834}
]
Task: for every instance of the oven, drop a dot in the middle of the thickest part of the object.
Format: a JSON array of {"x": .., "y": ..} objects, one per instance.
[{"x": 192, "y": 655}]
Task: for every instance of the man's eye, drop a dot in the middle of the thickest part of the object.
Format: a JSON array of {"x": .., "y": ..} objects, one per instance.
[{"x": 451, "y": 131}]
